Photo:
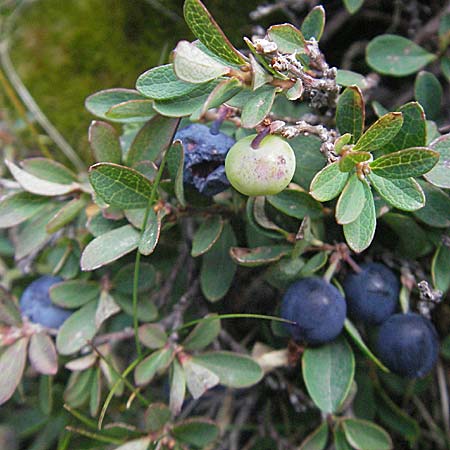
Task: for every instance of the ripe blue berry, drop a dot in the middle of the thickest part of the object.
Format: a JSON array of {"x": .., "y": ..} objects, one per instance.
[
  {"x": 36, "y": 304},
  {"x": 408, "y": 345},
  {"x": 204, "y": 158},
  {"x": 317, "y": 307},
  {"x": 372, "y": 294}
]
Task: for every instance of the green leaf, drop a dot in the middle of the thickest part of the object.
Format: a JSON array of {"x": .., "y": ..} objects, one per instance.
[
  {"x": 74, "y": 293},
  {"x": 397, "y": 56},
  {"x": 12, "y": 365},
  {"x": 313, "y": 264},
  {"x": 156, "y": 416},
  {"x": 152, "y": 335},
  {"x": 234, "y": 370},
  {"x": 317, "y": 440},
  {"x": 328, "y": 183},
  {"x": 175, "y": 164},
  {"x": 413, "y": 132},
  {"x": 350, "y": 159},
  {"x": 365, "y": 435},
  {"x": 19, "y": 207},
  {"x": 207, "y": 235},
  {"x": 350, "y": 112},
  {"x": 328, "y": 373},
  {"x": 439, "y": 268},
  {"x": 101, "y": 102},
  {"x": 42, "y": 354},
  {"x": 440, "y": 174},
  {"x": 314, "y": 23},
  {"x": 109, "y": 246},
  {"x": 39, "y": 186},
  {"x": 123, "y": 282},
  {"x": 157, "y": 362},
  {"x": 380, "y": 133},
  {"x": 351, "y": 201},
  {"x": 199, "y": 379},
  {"x": 192, "y": 65},
  {"x": 296, "y": 204},
  {"x": 150, "y": 236},
  {"x": 436, "y": 211},
  {"x": 177, "y": 388},
  {"x": 49, "y": 170},
  {"x": 209, "y": 33},
  {"x": 137, "y": 110},
  {"x": 260, "y": 77},
  {"x": 215, "y": 283},
  {"x": 186, "y": 104},
  {"x": 146, "y": 309},
  {"x": 445, "y": 67},
  {"x": 258, "y": 256},
  {"x": 136, "y": 444},
  {"x": 357, "y": 339},
  {"x": 258, "y": 106},
  {"x": 77, "y": 330},
  {"x": 402, "y": 193},
  {"x": 104, "y": 142},
  {"x": 161, "y": 83},
  {"x": 152, "y": 139},
  {"x": 353, "y": 5},
  {"x": 9, "y": 310},
  {"x": 288, "y": 38},
  {"x": 340, "y": 441},
  {"x": 341, "y": 142},
  {"x": 203, "y": 334},
  {"x": 120, "y": 186},
  {"x": 359, "y": 233},
  {"x": 197, "y": 432},
  {"x": 428, "y": 92},
  {"x": 349, "y": 78},
  {"x": 69, "y": 212},
  {"x": 411, "y": 162}
]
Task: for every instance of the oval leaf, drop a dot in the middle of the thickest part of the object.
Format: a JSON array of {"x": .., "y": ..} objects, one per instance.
[
  {"x": 365, "y": 435},
  {"x": 296, "y": 204},
  {"x": 328, "y": 183},
  {"x": 207, "y": 235},
  {"x": 350, "y": 112},
  {"x": 104, "y": 142},
  {"x": 440, "y": 174},
  {"x": 351, "y": 201},
  {"x": 42, "y": 354}
]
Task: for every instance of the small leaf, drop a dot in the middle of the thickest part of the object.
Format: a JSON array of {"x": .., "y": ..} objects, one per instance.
[
  {"x": 365, "y": 435},
  {"x": 440, "y": 174},
  {"x": 39, "y": 186},
  {"x": 146, "y": 309},
  {"x": 314, "y": 23},
  {"x": 353, "y": 5},
  {"x": 78, "y": 388},
  {"x": 380, "y": 133},
  {"x": 288, "y": 38},
  {"x": 104, "y": 142},
  {"x": 136, "y": 444},
  {"x": 313, "y": 264},
  {"x": 205, "y": 28},
  {"x": 19, "y": 207},
  {"x": 96, "y": 393},
  {"x": 150, "y": 236},
  {"x": 101, "y": 102},
  {"x": 234, "y": 370},
  {"x": 215, "y": 283},
  {"x": 439, "y": 268},
  {"x": 42, "y": 354},
  {"x": 350, "y": 112},
  {"x": 296, "y": 204},
  {"x": 150, "y": 366},
  {"x": 397, "y": 56},
  {"x": 177, "y": 388},
  {"x": 10, "y": 314},
  {"x": 203, "y": 334},
  {"x": 260, "y": 77},
  {"x": 194, "y": 66},
  {"x": 109, "y": 246},
  {"x": 77, "y": 330},
  {"x": 328, "y": 373},
  {"x": 359, "y": 233},
  {"x": 351, "y": 201},
  {"x": 48, "y": 169},
  {"x": 317, "y": 440},
  {"x": 258, "y": 106},
  {"x": 156, "y": 416},
  {"x": 161, "y": 83},
  {"x": 12, "y": 365},
  {"x": 106, "y": 308},
  {"x": 436, "y": 211},
  {"x": 175, "y": 164},
  {"x": 412, "y": 162},
  {"x": 138, "y": 110},
  {"x": 350, "y": 159},
  {"x": 198, "y": 378},
  {"x": 349, "y": 78},
  {"x": 74, "y": 293},
  {"x": 207, "y": 235},
  {"x": 328, "y": 183},
  {"x": 197, "y": 432},
  {"x": 258, "y": 256},
  {"x": 340, "y": 441},
  {"x": 428, "y": 92},
  {"x": 120, "y": 186},
  {"x": 403, "y": 193},
  {"x": 152, "y": 335},
  {"x": 69, "y": 212}
]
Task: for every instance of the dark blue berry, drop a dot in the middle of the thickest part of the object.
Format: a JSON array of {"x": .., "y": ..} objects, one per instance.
[
  {"x": 408, "y": 345},
  {"x": 372, "y": 294},
  {"x": 317, "y": 307},
  {"x": 204, "y": 158},
  {"x": 36, "y": 304}
]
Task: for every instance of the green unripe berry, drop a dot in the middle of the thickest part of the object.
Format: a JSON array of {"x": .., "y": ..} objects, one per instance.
[{"x": 266, "y": 170}]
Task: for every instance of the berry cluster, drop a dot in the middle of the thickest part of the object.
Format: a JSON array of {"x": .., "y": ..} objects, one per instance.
[{"x": 407, "y": 343}]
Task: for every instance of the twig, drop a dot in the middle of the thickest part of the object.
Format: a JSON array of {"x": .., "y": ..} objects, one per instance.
[{"x": 445, "y": 404}]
